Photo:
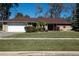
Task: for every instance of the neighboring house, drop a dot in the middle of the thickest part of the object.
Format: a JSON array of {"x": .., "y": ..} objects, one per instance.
[{"x": 18, "y": 24}]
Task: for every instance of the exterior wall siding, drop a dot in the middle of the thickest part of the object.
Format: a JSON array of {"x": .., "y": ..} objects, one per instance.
[
  {"x": 5, "y": 28},
  {"x": 64, "y": 27},
  {"x": 20, "y": 28}
]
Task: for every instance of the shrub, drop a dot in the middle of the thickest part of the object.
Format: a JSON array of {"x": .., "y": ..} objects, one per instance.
[{"x": 30, "y": 29}]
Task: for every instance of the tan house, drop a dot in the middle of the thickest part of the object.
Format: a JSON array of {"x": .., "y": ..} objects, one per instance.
[{"x": 18, "y": 24}]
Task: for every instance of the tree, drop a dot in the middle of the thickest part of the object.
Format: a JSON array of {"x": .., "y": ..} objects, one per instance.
[
  {"x": 55, "y": 9},
  {"x": 5, "y": 9},
  {"x": 40, "y": 25},
  {"x": 39, "y": 10},
  {"x": 69, "y": 8},
  {"x": 27, "y": 16},
  {"x": 75, "y": 24},
  {"x": 18, "y": 15},
  {"x": 40, "y": 17}
]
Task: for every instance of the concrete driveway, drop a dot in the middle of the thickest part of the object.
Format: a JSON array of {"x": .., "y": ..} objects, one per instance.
[{"x": 3, "y": 34}]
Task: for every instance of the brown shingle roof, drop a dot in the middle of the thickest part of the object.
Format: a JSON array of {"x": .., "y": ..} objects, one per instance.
[{"x": 48, "y": 20}]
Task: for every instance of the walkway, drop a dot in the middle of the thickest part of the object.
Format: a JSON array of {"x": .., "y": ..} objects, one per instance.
[
  {"x": 40, "y": 38},
  {"x": 39, "y": 53}
]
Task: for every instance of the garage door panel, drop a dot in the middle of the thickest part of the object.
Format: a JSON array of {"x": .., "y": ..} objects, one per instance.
[{"x": 16, "y": 29}]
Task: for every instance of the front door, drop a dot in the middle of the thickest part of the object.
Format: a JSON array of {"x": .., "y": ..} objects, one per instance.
[{"x": 52, "y": 27}]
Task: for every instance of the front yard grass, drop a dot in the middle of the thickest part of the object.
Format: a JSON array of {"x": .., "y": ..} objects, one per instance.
[
  {"x": 47, "y": 35},
  {"x": 39, "y": 45}
]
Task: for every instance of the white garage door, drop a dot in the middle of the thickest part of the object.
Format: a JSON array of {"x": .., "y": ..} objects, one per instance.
[{"x": 16, "y": 28}]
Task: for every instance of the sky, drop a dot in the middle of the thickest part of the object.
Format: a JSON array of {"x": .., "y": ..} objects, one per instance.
[{"x": 30, "y": 9}]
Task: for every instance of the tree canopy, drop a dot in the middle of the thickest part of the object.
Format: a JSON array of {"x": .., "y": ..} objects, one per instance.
[
  {"x": 20, "y": 15},
  {"x": 76, "y": 18},
  {"x": 5, "y": 9}
]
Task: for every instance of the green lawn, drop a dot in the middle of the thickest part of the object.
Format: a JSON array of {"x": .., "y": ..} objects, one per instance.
[
  {"x": 39, "y": 45},
  {"x": 47, "y": 35}
]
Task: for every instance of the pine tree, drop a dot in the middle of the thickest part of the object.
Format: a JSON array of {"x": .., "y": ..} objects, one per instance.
[{"x": 76, "y": 18}]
